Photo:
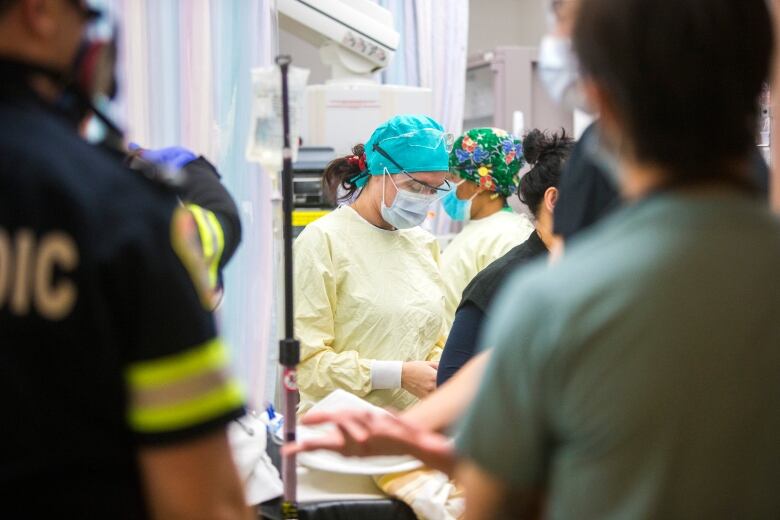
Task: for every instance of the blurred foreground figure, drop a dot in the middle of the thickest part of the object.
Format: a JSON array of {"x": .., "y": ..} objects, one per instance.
[
  {"x": 112, "y": 378},
  {"x": 644, "y": 380}
]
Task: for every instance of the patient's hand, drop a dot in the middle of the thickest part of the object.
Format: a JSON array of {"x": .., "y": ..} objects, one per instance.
[{"x": 364, "y": 434}]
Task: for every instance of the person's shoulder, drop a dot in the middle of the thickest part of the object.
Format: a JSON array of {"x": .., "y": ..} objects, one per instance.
[
  {"x": 418, "y": 233},
  {"x": 500, "y": 232},
  {"x": 483, "y": 288},
  {"x": 626, "y": 250},
  {"x": 82, "y": 176},
  {"x": 420, "y": 236},
  {"x": 514, "y": 216},
  {"x": 130, "y": 199},
  {"x": 318, "y": 238},
  {"x": 422, "y": 241},
  {"x": 334, "y": 223},
  {"x": 48, "y": 144},
  {"x": 515, "y": 227},
  {"x": 590, "y": 265}
]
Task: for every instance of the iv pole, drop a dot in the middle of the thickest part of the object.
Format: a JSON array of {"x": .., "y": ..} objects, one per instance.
[{"x": 289, "y": 347}]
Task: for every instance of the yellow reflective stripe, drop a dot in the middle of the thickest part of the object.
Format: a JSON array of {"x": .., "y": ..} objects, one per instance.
[
  {"x": 212, "y": 239},
  {"x": 187, "y": 413},
  {"x": 218, "y": 233},
  {"x": 203, "y": 230},
  {"x": 219, "y": 236},
  {"x": 164, "y": 371}
]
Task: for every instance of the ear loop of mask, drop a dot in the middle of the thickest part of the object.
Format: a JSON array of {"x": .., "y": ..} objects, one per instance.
[
  {"x": 470, "y": 199},
  {"x": 384, "y": 176}
]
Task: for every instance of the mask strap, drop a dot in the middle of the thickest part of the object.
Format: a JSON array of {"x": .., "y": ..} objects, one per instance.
[
  {"x": 384, "y": 176},
  {"x": 455, "y": 190},
  {"x": 387, "y": 172}
]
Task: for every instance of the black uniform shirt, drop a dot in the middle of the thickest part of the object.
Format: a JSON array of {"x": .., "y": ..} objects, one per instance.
[
  {"x": 105, "y": 343},
  {"x": 586, "y": 193}
]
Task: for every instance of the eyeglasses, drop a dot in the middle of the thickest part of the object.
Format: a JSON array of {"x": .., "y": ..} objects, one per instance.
[
  {"x": 414, "y": 185},
  {"x": 89, "y": 14}
]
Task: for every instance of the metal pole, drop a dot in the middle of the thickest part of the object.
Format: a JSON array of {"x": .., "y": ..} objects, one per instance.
[{"x": 289, "y": 347}]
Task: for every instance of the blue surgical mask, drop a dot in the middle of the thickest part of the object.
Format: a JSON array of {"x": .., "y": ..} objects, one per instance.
[
  {"x": 457, "y": 209},
  {"x": 408, "y": 209}
]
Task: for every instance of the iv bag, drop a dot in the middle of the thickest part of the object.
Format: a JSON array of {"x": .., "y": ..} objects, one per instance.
[{"x": 266, "y": 136}]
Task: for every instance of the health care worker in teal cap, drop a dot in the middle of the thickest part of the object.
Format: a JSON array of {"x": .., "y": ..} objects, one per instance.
[
  {"x": 485, "y": 163},
  {"x": 369, "y": 298}
]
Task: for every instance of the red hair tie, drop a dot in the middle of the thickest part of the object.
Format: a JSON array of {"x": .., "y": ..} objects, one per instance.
[{"x": 360, "y": 162}]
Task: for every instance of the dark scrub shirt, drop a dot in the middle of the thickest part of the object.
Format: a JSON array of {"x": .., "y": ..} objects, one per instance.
[
  {"x": 477, "y": 297},
  {"x": 106, "y": 346}
]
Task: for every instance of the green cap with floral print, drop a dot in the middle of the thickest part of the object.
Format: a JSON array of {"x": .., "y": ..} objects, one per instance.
[{"x": 489, "y": 157}]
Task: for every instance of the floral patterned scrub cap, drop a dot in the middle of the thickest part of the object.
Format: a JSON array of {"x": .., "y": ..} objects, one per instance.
[{"x": 489, "y": 157}]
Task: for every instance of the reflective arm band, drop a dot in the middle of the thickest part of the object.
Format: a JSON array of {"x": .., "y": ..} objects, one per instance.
[
  {"x": 219, "y": 248},
  {"x": 182, "y": 390},
  {"x": 212, "y": 239}
]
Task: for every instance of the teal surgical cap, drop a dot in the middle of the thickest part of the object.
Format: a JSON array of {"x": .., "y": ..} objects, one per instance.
[{"x": 415, "y": 143}]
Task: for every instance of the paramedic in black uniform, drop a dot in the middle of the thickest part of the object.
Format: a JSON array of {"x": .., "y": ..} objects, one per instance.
[{"x": 113, "y": 382}]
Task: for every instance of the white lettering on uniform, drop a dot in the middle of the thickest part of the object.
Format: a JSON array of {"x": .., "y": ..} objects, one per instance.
[{"x": 27, "y": 272}]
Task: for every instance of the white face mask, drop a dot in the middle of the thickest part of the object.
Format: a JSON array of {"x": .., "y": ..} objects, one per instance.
[
  {"x": 559, "y": 72},
  {"x": 408, "y": 209}
]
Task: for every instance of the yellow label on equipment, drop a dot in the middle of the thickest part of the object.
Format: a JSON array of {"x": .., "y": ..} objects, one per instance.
[{"x": 301, "y": 218}]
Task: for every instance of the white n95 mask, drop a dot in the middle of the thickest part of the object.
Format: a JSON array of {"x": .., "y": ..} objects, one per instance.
[
  {"x": 559, "y": 72},
  {"x": 408, "y": 209}
]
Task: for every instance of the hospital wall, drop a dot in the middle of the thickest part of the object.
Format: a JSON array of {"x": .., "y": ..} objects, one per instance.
[{"x": 505, "y": 22}]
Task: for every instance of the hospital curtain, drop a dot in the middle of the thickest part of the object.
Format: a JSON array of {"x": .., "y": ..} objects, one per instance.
[
  {"x": 184, "y": 69},
  {"x": 442, "y": 41},
  {"x": 432, "y": 53}
]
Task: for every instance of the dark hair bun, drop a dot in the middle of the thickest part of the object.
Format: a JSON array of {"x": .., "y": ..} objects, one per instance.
[
  {"x": 534, "y": 144},
  {"x": 546, "y": 153}
]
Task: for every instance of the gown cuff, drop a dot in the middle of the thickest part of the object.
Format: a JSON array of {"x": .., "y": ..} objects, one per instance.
[{"x": 386, "y": 375}]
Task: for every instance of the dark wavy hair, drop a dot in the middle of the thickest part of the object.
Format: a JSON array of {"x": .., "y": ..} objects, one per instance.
[{"x": 546, "y": 153}]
